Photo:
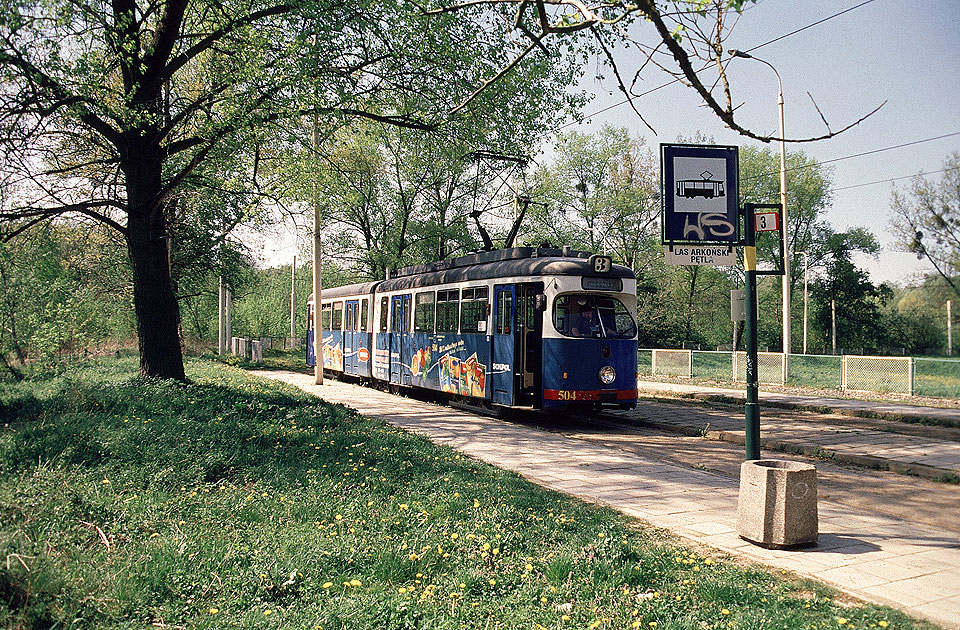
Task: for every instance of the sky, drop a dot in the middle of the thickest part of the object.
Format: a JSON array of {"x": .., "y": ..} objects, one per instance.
[{"x": 906, "y": 54}]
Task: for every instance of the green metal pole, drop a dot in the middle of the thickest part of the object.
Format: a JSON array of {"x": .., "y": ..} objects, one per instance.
[{"x": 752, "y": 407}]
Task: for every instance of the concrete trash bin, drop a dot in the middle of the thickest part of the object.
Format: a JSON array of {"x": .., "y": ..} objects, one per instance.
[{"x": 777, "y": 506}]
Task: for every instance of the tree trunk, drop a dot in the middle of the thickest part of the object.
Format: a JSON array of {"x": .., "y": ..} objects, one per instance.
[{"x": 156, "y": 307}]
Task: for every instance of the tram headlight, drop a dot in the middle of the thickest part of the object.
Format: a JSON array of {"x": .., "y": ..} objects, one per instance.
[{"x": 607, "y": 375}]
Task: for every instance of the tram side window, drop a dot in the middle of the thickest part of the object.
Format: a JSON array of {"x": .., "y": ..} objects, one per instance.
[
  {"x": 325, "y": 317},
  {"x": 309, "y": 317},
  {"x": 337, "y": 322},
  {"x": 473, "y": 310},
  {"x": 384, "y": 313},
  {"x": 423, "y": 312},
  {"x": 448, "y": 310},
  {"x": 363, "y": 315}
]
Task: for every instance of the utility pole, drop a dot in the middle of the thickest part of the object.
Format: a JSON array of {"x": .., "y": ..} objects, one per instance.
[
  {"x": 221, "y": 316},
  {"x": 833, "y": 323},
  {"x": 949, "y": 329},
  {"x": 317, "y": 281},
  {"x": 806, "y": 297},
  {"x": 293, "y": 300}
]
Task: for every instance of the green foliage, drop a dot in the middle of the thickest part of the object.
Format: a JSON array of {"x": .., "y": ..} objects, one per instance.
[
  {"x": 858, "y": 302},
  {"x": 230, "y": 502},
  {"x": 62, "y": 293},
  {"x": 601, "y": 193}
]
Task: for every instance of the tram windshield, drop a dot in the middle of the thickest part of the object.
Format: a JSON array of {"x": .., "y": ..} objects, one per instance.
[{"x": 593, "y": 316}]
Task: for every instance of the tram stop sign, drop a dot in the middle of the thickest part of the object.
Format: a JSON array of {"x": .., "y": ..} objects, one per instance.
[{"x": 699, "y": 194}]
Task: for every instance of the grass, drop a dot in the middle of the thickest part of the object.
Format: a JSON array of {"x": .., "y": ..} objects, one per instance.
[
  {"x": 234, "y": 502},
  {"x": 937, "y": 377}
]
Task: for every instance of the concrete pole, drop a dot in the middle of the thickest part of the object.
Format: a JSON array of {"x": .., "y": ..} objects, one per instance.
[
  {"x": 293, "y": 300},
  {"x": 833, "y": 323},
  {"x": 221, "y": 330},
  {"x": 949, "y": 329},
  {"x": 806, "y": 297},
  {"x": 317, "y": 281},
  {"x": 785, "y": 286},
  {"x": 228, "y": 312}
]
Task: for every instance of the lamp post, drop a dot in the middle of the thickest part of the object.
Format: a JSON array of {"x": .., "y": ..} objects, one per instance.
[{"x": 783, "y": 216}]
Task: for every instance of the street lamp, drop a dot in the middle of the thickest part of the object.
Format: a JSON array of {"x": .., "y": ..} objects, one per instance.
[{"x": 783, "y": 217}]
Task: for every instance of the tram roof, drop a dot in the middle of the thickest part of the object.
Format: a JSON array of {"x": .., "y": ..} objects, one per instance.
[{"x": 504, "y": 263}]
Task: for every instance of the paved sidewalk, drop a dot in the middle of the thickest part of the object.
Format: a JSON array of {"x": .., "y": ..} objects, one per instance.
[
  {"x": 930, "y": 452},
  {"x": 849, "y": 406},
  {"x": 911, "y": 566}
]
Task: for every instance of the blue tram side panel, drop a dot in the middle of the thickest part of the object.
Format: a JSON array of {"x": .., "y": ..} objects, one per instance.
[{"x": 510, "y": 341}]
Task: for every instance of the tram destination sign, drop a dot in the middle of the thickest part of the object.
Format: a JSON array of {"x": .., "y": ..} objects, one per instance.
[{"x": 699, "y": 194}]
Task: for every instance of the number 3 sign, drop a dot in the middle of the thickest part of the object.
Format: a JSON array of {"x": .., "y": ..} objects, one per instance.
[{"x": 767, "y": 221}]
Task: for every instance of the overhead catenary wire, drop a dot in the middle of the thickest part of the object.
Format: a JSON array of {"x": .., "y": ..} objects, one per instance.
[
  {"x": 856, "y": 155},
  {"x": 672, "y": 81}
]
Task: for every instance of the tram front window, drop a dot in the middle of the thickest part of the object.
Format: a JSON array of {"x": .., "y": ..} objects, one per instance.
[{"x": 592, "y": 316}]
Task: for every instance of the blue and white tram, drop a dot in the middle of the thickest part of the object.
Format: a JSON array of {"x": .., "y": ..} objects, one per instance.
[{"x": 531, "y": 327}]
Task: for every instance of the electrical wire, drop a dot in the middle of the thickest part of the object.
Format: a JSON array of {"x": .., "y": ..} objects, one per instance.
[
  {"x": 671, "y": 82},
  {"x": 893, "y": 179},
  {"x": 855, "y": 155}
]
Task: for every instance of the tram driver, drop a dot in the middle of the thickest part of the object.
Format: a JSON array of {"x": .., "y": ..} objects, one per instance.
[{"x": 582, "y": 320}]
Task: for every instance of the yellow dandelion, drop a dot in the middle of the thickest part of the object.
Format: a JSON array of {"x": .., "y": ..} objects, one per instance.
[
  {"x": 214, "y": 611},
  {"x": 724, "y": 612},
  {"x": 355, "y": 582},
  {"x": 327, "y": 584},
  {"x": 883, "y": 624},
  {"x": 404, "y": 506},
  {"x": 267, "y": 612},
  {"x": 529, "y": 567},
  {"x": 841, "y": 620},
  {"x": 493, "y": 582}
]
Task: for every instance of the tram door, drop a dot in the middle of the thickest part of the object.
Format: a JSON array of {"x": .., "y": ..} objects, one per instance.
[
  {"x": 529, "y": 345},
  {"x": 503, "y": 352},
  {"x": 399, "y": 326},
  {"x": 351, "y": 338}
]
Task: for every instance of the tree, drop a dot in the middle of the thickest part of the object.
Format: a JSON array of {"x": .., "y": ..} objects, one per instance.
[
  {"x": 927, "y": 221},
  {"x": 601, "y": 193},
  {"x": 859, "y": 302},
  {"x": 117, "y": 111},
  {"x": 111, "y": 110}
]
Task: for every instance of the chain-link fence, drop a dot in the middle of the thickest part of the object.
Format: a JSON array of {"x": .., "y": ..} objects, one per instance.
[
  {"x": 933, "y": 377},
  {"x": 877, "y": 374},
  {"x": 936, "y": 377},
  {"x": 672, "y": 363},
  {"x": 769, "y": 367}
]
